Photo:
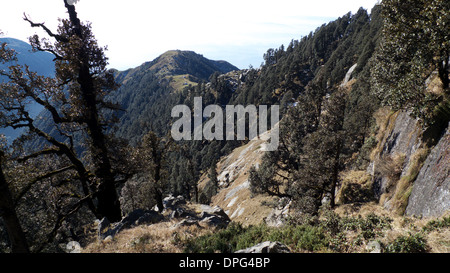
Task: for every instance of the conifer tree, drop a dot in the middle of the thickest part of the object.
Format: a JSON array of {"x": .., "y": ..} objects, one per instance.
[
  {"x": 322, "y": 157},
  {"x": 212, "y": 175}
]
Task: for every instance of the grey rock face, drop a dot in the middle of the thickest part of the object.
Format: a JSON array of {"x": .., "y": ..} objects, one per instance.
[
  {"x": 211, "y": 216},
  {"x": 213, "y": 211},
  {"x": 431, "y": 191}
]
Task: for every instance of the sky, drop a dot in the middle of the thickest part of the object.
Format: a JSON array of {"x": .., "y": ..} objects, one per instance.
[{"x": 137, "y": 31}]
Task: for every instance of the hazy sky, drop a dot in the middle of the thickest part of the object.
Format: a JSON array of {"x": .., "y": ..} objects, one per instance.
[{"x": 136, "y": 31}]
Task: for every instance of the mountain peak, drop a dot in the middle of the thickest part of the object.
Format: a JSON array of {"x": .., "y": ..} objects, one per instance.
[{"x": 178, "y": 62}]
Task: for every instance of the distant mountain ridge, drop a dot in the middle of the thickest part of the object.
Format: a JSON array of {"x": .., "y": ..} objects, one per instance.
[
  {"x": 39, "y": 62},
  {"x": 148, "y": 92}
]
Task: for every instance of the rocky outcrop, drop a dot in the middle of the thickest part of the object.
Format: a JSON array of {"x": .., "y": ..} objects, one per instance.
[
  {"x": 135, "y": 218},
  {"x": 280, "y": 214},
  {"x": 431, "y": 191},
  {"x": 210, "y": 216},
  {"x": 266, "y": 247},
  {"x": 402, "y": 141},
  {"x": 234, "y": 194},
  {"x": 175, "y": 209}
]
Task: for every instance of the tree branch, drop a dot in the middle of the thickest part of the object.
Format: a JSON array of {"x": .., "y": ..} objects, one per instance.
[
  {"x": 43, "y": 152},
  {"x": 59, "y": 38},
  {"x": 39, "y": 178}
]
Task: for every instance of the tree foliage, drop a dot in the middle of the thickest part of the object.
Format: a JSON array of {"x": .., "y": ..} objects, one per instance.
[
  {"x": 66, "y": 182},
  {"x": 415, "y": 42}
]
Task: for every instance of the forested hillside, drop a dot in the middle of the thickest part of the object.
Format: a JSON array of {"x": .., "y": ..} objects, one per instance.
[{"x": 101, "y": 149}]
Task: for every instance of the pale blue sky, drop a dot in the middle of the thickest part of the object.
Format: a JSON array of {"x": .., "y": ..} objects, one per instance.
[{"x": 136, "y": 31}]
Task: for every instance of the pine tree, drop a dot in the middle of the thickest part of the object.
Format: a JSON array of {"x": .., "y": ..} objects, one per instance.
[
  {"x": 212, "y": 176},
  {"x": 150, "y": 159},
  {"x": 275, "y": 173},
  {"x": 322, "y": 157}
]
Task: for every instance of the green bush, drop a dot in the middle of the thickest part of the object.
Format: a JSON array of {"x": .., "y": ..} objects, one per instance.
[
  {"x": 408, "y": 244},
  {"x": 235, "y": 237},
  {"x": 310, "y": 238},
  {"x": 223, "y": 241}
]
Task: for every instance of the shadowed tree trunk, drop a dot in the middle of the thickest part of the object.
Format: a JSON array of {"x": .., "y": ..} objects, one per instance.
[{"x": 8, "y": 213}]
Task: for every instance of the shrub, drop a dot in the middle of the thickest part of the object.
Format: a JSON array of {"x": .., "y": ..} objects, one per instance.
[
  {"x": 408, "y": 244},
  {"x": 310, "y": 238}
]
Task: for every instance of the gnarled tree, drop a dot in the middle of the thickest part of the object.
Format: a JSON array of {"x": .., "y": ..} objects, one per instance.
[{"x": 83, "y": 81}]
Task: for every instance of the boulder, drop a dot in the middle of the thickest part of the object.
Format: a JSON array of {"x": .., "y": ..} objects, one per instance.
[
  {"x": 374, "y": 247},
  {"x": 266, "y": 247},
  {"x": 187, "y": 222},
  {"x": 216, "y": 210},
  {"x": 215, "y": 221},
  {"x": 211, "y": 216},
  {"x": 149, "y": 217},
  {"x": 178, "y": 213},
  {"x": 173, "y": 202},
  {"x": 73, "y": 247},
  {"x": 214, "y": 216}
]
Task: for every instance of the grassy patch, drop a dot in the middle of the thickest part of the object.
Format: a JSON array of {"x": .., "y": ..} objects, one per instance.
[
  {"x": 179, "y": 82},
  {"x": 405, "y": 184},
  {"x": 356, "y": 187},
  {"x": 437, "y": 224},
  {"x": 385, "y": 120}
]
